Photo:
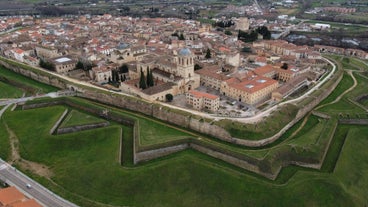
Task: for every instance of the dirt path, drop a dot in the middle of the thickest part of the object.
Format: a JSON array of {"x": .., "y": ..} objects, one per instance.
[
  {"x": 15, "y": 158},
  {"x": 350, "y": 72}
]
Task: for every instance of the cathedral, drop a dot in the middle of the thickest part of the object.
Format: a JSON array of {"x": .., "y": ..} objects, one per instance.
[{"x": 172, "y": 74}]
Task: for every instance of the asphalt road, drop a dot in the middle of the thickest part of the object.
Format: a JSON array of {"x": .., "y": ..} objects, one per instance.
[{"x": 15, "y": 178}]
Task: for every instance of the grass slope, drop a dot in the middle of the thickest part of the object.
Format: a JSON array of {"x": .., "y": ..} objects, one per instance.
[
  {"x": 184, "y": 179},
  {"x": 26, "y": 82},
  {"x": 4, "y": 142},
  {"x": 352, "y": 167},
  {"x": 8, "y": 91},
  {"x": 79, "y": 118}
]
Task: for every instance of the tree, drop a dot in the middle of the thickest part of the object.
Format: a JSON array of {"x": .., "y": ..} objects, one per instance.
[
  {"x": 247, "y": 37},
  {"x": 284, "y": 66},
  {"x": 208, "y": 54},
  {"x": 46, "y": 65},
  {"x": 181, "y": 37},
  {"x": 228, "y": 32},
  {"x": 124, "y": 68},
  {"x": 150, "y": 81},
  {"x": 169, "y": 97},
  {"x": 79, "y": 65},
  {"x": 197, "y": 67},
  {"x": 246, "y": 49},
  {"x": 263, "y": 30},
  {"x": 142, "y": 81}
]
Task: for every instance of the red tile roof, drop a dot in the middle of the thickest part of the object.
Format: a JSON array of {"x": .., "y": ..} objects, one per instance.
[
  {"x": 199, "y": 94},
  {"x": 27, "y": 203},
  {"x": 10, "y": 195}
]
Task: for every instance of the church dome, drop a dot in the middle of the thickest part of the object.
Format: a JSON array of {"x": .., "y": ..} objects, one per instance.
[
  {"x": 122, "y": 46},
  {"x": 184, "y": 52}
]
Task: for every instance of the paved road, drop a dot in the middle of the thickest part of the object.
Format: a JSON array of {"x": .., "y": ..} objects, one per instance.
[
  {"x": 15, "y": 178},
  {"x": 24, "y": 99}
]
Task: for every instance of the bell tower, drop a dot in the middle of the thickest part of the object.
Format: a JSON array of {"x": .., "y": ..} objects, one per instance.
[{"x": 185, "y": 62}]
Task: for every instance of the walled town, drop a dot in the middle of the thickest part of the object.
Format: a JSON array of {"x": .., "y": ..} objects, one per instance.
[{"x": 185, "y": 62}]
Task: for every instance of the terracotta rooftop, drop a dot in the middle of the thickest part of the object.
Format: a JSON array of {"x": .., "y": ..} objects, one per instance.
[
  {"x": 10, "y": 195},
  {"x": 253, "y": 85},
  {"x": 213, "y": 72},
  {"x": 264, "y": 69},
  {"x": 199, "y": 94},
  {"x": 27, "y": 203}
]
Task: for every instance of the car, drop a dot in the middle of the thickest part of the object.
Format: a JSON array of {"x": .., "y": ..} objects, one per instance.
[{"x": 29, "y": 186}]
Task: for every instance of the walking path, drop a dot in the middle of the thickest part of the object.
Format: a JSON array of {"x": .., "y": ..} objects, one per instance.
[{"x": 350, "y": 72}]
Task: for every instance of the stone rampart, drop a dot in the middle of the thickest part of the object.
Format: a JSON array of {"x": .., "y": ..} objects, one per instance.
[
  {"x": 57, "y": 124},
  {"x": 177, "y": 117},
  {"x": 354, "y": 121},
  {"x": 77, "y": 128},
  {"x": 156, "y": 153}
]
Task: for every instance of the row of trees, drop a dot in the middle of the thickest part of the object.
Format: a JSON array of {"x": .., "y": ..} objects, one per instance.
[
  {"x": 146, "y": 82},
  {"x": 116, "y": 77},
  {"x": 252, "y": 35},
  {"x": 224, "y": 23},
  {"x": 84, "y": 65},
  {"x": 180, "y": 37},
  {"x": 47, "y": 65}
]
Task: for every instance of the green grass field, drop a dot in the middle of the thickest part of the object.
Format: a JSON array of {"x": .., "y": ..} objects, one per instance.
[
  {"x": 354, "y": 157},
  {"x": 8, "y": 91},
  {"x": 183, "y": 179},
  {"x": 25, "y": 82},
  {"x": 4, "y": 142},
  {"x": 75, "y": 118}
]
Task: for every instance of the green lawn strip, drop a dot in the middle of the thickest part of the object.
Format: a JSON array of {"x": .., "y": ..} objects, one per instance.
[
  {"x": 325, "y": 187},
  {"x": 285, "y": 139},
  {"x": 188, "y": 179},
  {"x": 155, "y": 132},
  {"x": 75, "y": 118},
  {"x": 4, "y": 142},
  {"x": 344, "y": 84},
  {"x": 352, "y": 166},
  {"x": 303, "y": 148},
  {"x": 344, "y": 105},
  {"x": 359, "y": 64},
  {"x": 27, "y": 82},
  {"x": 9, "y": 91},
  {"x": 364, "y": 102},
  {"x": 309, "y": 135},
  {"x": 334, "y": 151},
  {"x": 360, "y": 89},
  {"x": 347, "y": 63}
]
